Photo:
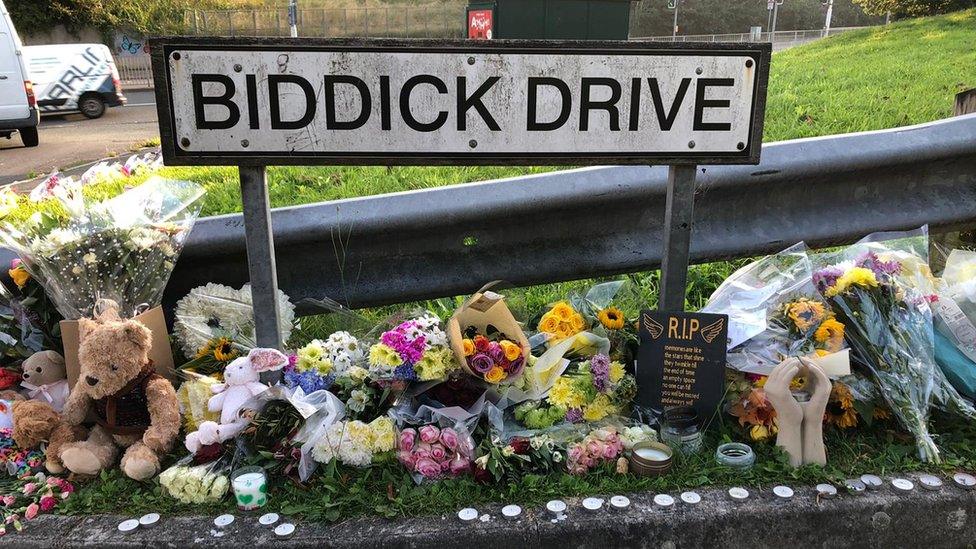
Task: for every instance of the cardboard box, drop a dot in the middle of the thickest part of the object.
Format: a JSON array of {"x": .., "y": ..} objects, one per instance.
[{"x": 160, "y": 353}]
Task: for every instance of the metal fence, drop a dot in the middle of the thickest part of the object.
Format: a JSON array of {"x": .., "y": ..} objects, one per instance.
[
  {"x": 135, "y": 71},
  {"x": 599, "y": 221},
  {"x": 436, "y": 20},
  {"x": 779, "y": 39}
]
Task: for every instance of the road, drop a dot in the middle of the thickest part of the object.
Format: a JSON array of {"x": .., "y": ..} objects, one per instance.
[{"x": 70, "y": 140}]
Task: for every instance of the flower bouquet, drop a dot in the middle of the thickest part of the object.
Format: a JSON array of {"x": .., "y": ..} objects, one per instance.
[
  {"x": 509, "y": 462},
  {"x": 189, "y": 482},
  {"x": 413, "y": 350},
  {"x": 356, "y": 443},
  {"x": 28, "y": 319},
  {"x": 599, "y": 312},
  {"x": 889, "y": 331},
  {"x": 598, "y": 447},
  {"x": 25, "y": 497},
  {"x": 487, "y": 340},
  {"x": 432, "y": 451}
]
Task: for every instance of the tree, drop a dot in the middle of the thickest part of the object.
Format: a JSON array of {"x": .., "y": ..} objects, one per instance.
[{"x": 913, "y": 8}]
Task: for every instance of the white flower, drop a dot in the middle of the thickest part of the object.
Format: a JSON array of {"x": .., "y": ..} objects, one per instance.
[
  {"x": 57, "y": 239},
  {"x": 557, "y": 457},
  {"x": 632, "y": 436},
  {"x": 89, "y": 258},
  {"x": 357, "y": 374},
  {"x": 8, "y": 201},
  {"x": 76, "y": 270},
  {"x": 482, "y": 461},
  {"x": 508, "y": 451},
  {"x": 358, "y": 400}
]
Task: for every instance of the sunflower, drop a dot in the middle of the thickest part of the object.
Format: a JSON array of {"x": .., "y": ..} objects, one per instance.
[
  {"x": 805, "y": 313},
  {"x": 612, "y": 318},
  {"x": 830, "y": 332},
  {"x": 840, "y": 410},
  {"x": 223, "y": 350}
]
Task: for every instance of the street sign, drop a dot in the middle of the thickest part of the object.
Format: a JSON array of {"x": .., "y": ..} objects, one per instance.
[
  {"x": 672, "y": 4},
  {"x": 278, "y": 101}
]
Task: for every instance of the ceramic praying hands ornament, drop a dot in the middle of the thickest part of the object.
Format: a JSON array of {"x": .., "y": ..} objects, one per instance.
[{"x": 800, "y": 420}]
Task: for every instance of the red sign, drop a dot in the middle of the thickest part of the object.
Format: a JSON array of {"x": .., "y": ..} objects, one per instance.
[{"x": 479, "y": 24}]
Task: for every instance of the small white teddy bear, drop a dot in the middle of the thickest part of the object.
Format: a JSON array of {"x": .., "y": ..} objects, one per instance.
[{"x": 242, "y": 381}]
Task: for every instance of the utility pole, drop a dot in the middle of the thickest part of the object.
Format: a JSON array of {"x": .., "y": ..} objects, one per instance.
[
  {"x": 830, "y": 13},
  {"x": 673, "y": 4},
  {"x": 293, "y": 17},
  {"x": 772, "y": 28}
]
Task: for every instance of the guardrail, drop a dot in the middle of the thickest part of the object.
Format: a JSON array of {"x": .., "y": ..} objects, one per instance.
[
  {"x": 779, "y": 39},
  {"x": 135, "y": 71},
  {"x": 599, "y": 221}
]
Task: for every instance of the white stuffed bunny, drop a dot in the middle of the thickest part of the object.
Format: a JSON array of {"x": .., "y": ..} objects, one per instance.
[{"x": 242, "y": 381}]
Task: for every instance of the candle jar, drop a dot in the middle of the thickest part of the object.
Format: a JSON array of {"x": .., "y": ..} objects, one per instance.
[
  {"x": 650, "y": 459},
  {"x": 680, "y": 430},
  {"x": 250, "y": 488}
]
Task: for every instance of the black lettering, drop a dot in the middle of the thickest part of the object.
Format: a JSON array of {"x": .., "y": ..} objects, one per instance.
[
  {"x": 405, "y": 92},
  {"x": 251, "y": 84},
  {"x": 532, "y": 124},
  {"x": 701, "y": 104},
  {"x": 385, "y": 102},
  {"x": 635, "y": 86},
  {"x": 200, "y": 101},
  {"x": 610, "y": 105},
  {"x": 667, "y": 120},
  {"x": 464, "y": 103},
  {"x": 274, "y": 81},
  {"x": 330, "y": 107}
]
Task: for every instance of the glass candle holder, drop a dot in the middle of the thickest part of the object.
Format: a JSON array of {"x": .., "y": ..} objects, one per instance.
[
  {"x": 735, "y": 455},
  {"x": 680, "y": 430},
  {"x": 250, "y": 486}
]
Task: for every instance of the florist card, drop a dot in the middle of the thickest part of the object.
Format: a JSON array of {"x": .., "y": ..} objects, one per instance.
[{"x": 681, "y": 361}]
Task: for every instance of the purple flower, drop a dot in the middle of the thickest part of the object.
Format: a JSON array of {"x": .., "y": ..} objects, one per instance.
[
  {"x": 884, "y": 270},
  {"x": 481, "y": 363},
  {"x": 600, "y": 369},
  {"x": 574, "y": 415},
  {"x": 826, "y": 278},
  {"x": 496, "y": 353},
  {"x": 516, "y": 367}
]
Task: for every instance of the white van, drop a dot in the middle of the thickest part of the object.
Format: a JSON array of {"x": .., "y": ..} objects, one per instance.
[
  {"x": 74, "y": 77},
  {"x": 18, "y": 108}
]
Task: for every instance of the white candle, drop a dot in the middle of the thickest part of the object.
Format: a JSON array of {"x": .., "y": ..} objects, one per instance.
[
  {"x": 251, "y": 490},
  {"x": 128, "y": 526},
  {"x": 652, "y": 454},
  {"x": 592, "y": 504}
]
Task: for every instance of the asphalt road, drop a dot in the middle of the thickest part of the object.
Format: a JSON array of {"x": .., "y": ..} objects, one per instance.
[{"x": 70, "y": 140}]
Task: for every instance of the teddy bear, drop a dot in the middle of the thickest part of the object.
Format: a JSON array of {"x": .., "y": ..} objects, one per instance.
[
  {"x": 135, "y": 408},
  {"x": 34, "y": 422},
  {"x": 242, "y": 381},
  {"x": 45, "y": 379}
]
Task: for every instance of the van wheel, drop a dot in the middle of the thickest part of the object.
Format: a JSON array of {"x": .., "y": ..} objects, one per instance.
[
  {"x": 91, "y": 106},
  {"x": 29, "y": 136}
]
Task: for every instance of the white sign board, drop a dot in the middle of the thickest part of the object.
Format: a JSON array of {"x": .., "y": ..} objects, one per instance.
[{"x": 292, "y": 102}]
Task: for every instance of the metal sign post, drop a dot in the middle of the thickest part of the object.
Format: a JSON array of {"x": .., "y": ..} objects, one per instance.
[{"x": 258, "y": 102}]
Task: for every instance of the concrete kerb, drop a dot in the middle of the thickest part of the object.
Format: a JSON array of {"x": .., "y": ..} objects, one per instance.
[{"x": 945, "y": 518}]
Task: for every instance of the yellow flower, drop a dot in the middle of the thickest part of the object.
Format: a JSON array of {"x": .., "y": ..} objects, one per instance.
[
  {"x": 511, "y": 350},
  {"x": 430, "y": 367},
  {"x": 577, "y": 323},
  {"x": 612, "y": 318},
  {"x": 562, "y": 394},
  {"x": 616, "y": 371},
  {"x": 563, "y": 311},
  {"x": 549, "y": 323},
  {"x": 223, "y": 350},
  {"x": 760, "y": 432},
  {"x": 856, "y": 276},
  {"x": 598, "y": 409},
  {"x": 495, "y": 375},
  {"x": 384, "y": 437},
  {"x": 20, "y": 276},
  {"x": 840, "y": 408},
  {"x": 384, "y": 355},
  {"x": 821, "y": 352},
  {"x": 798, "y": 383},
  {"x": 830, "y": 332},
  {"x": 468, "y": 346},
  {"x": 805, "y": 313}
]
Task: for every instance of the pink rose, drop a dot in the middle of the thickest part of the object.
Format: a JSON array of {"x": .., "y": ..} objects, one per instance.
[
  {"x": 594, "y": 448},
  {"x": 8, "y": 500},
  {"x": 429, "y": 434},
  {"x": 445, "y": 465},
  {"x": 428, "y": 468},
  {"x": 422, "y": 450},
  {"x": 407, "y": 459},
  {"x": 15, "y": 262},
  {"x": 609, "y": 452},
  {"x": 31, "y": 511},
  {"x": 449, "y": 438},
  {"x": 29, "y": 488},
  {"x": 48, "y": 503},
  {"x": 438, "y": 452},
  {"x": 459, "y": 465},
  {"x": 53, "y": 481},
  {"x": 12, "y": 518},
  {"x": 407, "y": 439},
  {"x": 575, "y": 452}
]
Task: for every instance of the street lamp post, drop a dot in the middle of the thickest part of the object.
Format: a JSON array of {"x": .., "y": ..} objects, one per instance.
[
  {"x": 772, "y": 28},
  {"x": 293, "y": 17},
  {"x": 673, "y": 4},
  {"x": 830, "y": 13}
]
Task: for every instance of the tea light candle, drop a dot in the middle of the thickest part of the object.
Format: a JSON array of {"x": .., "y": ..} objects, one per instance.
[
  {"x": 663, "y": 500},
  {"x": 620, "y": 503},
  {"x": 783, "y": 492},
  {"x": 903, "y": 485},
  {"x": 872, "y": 482},
  {"x": 128, "y": 526},
  {"x": 556, "y": 507},
  {"x": 468, "y": 514},
  {"x": 738, "y": 494},
  {"x": 511, "y": 512},
  {"x": 250, "y": 488},
  {"x": 691, "y": 498},
  {"x": 268, "y": 519},
  {"x": 826, "y": 490},
  {"x": 592, "y": 504},
  {"x": 149, "y": 520},
  {"x": 930, "y": 482},
  {"x": 964, "y": 481},
  {"x": 855, "y": 486},
  {"x": 285, "y": 530},
  {"x": 652, "y": 454},
  {"x": 224, "y": 521}
]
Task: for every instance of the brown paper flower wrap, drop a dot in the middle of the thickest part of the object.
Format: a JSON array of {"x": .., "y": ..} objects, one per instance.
[{"x": 483, "y": 309}]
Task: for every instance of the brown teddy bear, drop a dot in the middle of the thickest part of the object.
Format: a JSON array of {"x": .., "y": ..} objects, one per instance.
[
  {"x": 135, "y": 408},
  {"x": 35, "y": 422}
]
